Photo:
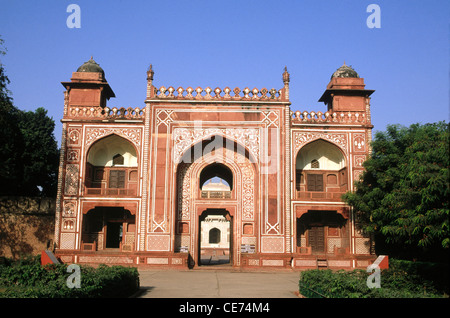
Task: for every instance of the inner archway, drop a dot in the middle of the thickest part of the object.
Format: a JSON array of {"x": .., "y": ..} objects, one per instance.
[
  {"x": 216, "y": 172},
  {"x": 216, "y": 182},
  {"x": 215, "y": 237}
]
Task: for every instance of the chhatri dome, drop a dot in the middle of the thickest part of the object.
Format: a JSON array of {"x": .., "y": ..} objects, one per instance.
[
  {"x": 345, "y": 71},
  {"x": 91, "y": 66}
]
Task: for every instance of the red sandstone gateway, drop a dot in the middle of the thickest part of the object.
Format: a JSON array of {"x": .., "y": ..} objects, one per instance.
[{"x": 203, "y": 176}]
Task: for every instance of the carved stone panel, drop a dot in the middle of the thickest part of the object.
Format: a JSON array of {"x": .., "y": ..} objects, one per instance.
[
  {"x": 185, "y": 138},
  {"x": 302, "y": 138},
  {"x": 71, "y": 186}
]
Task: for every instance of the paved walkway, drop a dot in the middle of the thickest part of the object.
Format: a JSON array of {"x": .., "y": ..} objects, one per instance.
[{"x": 217, "y": 283}]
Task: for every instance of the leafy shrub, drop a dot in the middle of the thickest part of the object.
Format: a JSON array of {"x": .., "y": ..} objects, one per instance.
[
  {"x": 330, "y": 284},
  {"x": 436, "y": 274},
  {"x": 28, "y": 279},
  {"x": 401, "y": 280}
]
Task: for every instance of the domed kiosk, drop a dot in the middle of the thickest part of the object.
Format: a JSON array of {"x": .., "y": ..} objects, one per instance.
[
  {"x": 91, "y": 67},
  {"x": 345, "y": 91},
  {"x": 345, "y": 71},
  {"x": 88, "y": 86}
]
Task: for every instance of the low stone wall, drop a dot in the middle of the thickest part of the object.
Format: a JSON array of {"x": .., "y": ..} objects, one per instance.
[{"x": 26, "y": 225}]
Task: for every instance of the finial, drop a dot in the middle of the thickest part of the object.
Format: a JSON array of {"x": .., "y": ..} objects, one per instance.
[
  {"x": 150, "y": 73},
  {"x": 150, "y": 89},
  {"x": 286, "y": 79},
  {"x": 285, "y": 75}
]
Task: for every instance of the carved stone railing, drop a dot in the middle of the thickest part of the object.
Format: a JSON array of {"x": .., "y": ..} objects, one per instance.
[
  {"x": 319, "y": 196},
  {"x": 218, "y": 94},
  {"x": 329, "y": 117},
  {"x": 106, "y": 112},
  {"x": 216, "y": 194},
  {"x": 103, "y": 191},
  {"x": 126, "y": 113}
]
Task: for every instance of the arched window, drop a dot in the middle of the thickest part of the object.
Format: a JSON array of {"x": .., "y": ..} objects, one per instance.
[
  {"x": 118, "y": 159},
  {"x": 214, "y": 236},
  {"x": 315, "y": 164},
  {"x": 220, "y": 174}
]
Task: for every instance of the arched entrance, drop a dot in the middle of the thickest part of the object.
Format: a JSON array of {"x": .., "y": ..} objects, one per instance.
[
  {"x": 108, "y": 228},
  {"x": 215, "y": 237},
  {"x": 224, "y": 183},
  {"x": 323, "y": 232}
]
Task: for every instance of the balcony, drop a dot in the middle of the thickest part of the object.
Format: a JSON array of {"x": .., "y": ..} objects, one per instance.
[
  {"x": 105, "y": 191},
  {"x": 329, "y": 195},
  {"x": 216, "y": 194},
  {"x": 111, "y": 181},
  {"x": 321, "y": 185}
]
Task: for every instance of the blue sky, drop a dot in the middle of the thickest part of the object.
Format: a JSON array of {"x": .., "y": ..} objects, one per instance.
[{"x": 236, "y": 44}]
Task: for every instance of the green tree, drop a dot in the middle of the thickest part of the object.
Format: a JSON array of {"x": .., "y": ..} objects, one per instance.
[
  {"x": 11, "y": 141},
  {"x": 403, "y": 196},
  {"x": 40, "y": 156},
  {"x": 28, "y": 149}
]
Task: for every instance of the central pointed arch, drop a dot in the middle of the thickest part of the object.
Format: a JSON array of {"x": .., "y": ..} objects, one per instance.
[
  {"x": 217, "y": 170},
  {"x": 213, "y": 158}
]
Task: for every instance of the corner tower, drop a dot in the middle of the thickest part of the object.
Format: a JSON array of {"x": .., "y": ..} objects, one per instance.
[
  {"x": 88, "y": 86},
  {"x": 328, "y": 151},
  {"x": 345, "y": 91},
  {"x": 98, "y": 197}
]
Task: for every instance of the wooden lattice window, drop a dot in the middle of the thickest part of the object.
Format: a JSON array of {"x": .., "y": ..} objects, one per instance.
[
  {"x": 117, "y": 179},
  {"x": 315, "y": 164},
  {"x": 118, "y": 160},
  {"x": 315, "y": 182},
  {"x": 316, "y": 239}
]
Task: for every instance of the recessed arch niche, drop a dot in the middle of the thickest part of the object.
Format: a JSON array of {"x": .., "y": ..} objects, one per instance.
[
  {"x": 320, "y": 167},
  {"x": 111, "y": 167},
  {"x": 320, "y": 154},
  {"x": 103, "y": 152}
]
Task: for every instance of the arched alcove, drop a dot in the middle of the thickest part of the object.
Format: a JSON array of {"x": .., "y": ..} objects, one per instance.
[
  {"x": 320, "y": 154},
  {"x": 111, "y": 167},
  {"x": 103, "y": 152},
  {"x": 321, "y": 172}
]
